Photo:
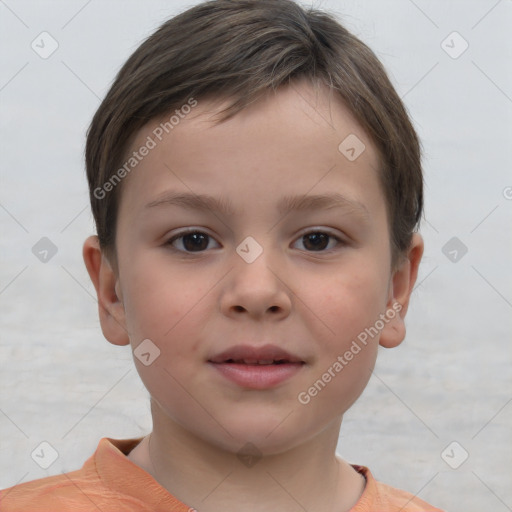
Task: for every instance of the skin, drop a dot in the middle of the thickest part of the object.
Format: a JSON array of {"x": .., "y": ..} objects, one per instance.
[{"x": 312, "y": 302}]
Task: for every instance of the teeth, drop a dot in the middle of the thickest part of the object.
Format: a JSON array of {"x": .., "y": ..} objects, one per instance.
[{"x": 254, "y": 361}]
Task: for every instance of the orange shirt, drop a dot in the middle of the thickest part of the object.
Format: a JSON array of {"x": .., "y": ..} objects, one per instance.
[{"x": 110, "y": 482}]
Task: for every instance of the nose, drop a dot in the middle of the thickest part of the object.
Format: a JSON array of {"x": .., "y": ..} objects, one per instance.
[{"x": 256, "y": 290}]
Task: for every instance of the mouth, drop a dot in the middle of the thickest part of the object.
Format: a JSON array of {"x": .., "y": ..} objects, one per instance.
[
  {"x": 256, "y": 367},
  {"x": 252, "y": 355},
  {"x": 252, "y": 362}
]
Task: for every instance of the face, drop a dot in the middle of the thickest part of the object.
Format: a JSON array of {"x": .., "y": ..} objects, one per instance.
[{"x": 298, "y": 258}]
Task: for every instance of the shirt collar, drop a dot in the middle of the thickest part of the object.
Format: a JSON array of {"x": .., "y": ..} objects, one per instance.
[{"x": 110, "y": 461}]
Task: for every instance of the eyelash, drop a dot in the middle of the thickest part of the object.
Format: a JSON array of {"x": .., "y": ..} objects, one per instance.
[{"x": 169, "y": 242}]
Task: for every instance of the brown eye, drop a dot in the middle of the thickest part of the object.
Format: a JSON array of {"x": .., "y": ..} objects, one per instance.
[
  {"x": 191, "y": 241},
  {"x": 319, "y": 241}
]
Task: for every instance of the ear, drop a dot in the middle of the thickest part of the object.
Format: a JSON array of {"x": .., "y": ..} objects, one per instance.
[
  {"x": 401, "y": 286},
  {"x": 110, "y": 306}
]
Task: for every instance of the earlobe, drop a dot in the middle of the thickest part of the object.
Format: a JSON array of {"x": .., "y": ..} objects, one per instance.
[
  {"x": 402, "y": 284},
  {"x": 110, "y": 306}
]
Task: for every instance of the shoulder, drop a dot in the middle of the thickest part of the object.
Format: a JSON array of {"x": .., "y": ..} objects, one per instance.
[
  {"x": 381, "y": 497},
  {"x": 78, "y": 491},
  {"x": 403, "y": 501},
  {"x": 103, "y": 483}
]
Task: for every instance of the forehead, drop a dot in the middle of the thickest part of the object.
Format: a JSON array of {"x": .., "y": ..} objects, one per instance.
[{"x": 293, "y": 140}]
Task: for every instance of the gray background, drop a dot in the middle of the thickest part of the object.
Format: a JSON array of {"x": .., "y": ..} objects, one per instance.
[{"x": 63, "y": 383}]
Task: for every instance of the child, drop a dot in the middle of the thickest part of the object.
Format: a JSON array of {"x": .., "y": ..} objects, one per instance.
[{"x": 273, "y": 136}]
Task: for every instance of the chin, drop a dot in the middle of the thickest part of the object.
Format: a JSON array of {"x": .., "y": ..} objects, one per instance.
[{"x": 267, "y": 433}]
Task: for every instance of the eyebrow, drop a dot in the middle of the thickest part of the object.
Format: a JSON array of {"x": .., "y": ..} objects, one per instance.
[{"x": 287, "y": 204}]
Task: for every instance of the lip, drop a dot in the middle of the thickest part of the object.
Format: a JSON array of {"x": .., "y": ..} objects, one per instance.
[
  {"x": 257, "y": 376},
  {"x": 239, "y": 365},
  {"x": 251, "y": 353}
]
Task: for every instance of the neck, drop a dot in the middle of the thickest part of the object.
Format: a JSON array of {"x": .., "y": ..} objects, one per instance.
[{"x": 209, "y": 478}]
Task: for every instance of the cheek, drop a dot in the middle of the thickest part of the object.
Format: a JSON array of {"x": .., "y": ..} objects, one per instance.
[
  {"x": 164, "y": 306},
  {"x": 334, "y": 391},
  {"x": 350, "y": 302},
  {"x": 347, "y": 353},
  {"x": 162, "y": 311},
  {"x": 155, "y": 297}
]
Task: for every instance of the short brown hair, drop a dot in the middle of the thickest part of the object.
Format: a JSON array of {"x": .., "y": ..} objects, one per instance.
[{"x": 239, "y": 50}]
